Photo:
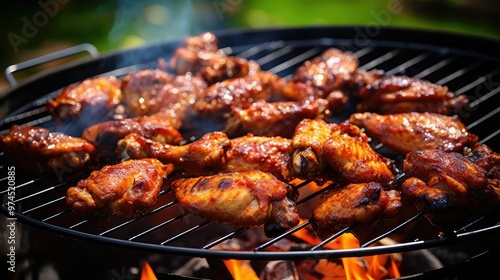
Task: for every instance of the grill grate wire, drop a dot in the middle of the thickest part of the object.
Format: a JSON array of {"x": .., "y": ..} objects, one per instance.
[{"x": 40, "y": 200}]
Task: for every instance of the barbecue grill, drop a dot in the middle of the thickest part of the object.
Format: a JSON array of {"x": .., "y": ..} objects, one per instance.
[{"x": 467, "y": 65}]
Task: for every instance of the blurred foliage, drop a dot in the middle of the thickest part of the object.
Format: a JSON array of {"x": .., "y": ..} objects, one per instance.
[{"x": 117, "y": 24}]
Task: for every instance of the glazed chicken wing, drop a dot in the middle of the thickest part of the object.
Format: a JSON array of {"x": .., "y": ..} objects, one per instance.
[
  {"x": 448, "y": 187},
  {"x": 328, "y": 72},
  {"x": 219, "y": 98},
  {"x": 215, "y": 152},
  {"x": 486, "y": 158},
  {"x": 200, "y": 55},
  {"x": 363, "y": 206},
  {"x": 160, "y": 126},
  {"x": 356, "y": 162},
  {"x": 87, "y": 102},
  {"x": 128, "y": 188},
  {"x": 41, "y": 150},
  {"x": 406, "y": 132},
  {"x": 267, "y": 154},
  {"x": 275, "y": 118},
  {"x": 151, "y": 91},
  {"x": 309, "y": 160},
  {"x": 205, "y": 154},
  {"x": 242, "y": 199},
  {"x": 400, "y": 94},
  {"x": 310, "y": 135}
]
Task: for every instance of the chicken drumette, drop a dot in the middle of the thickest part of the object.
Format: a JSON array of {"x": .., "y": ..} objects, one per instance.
[
  {"x": 363, "y": 207},
  {"x": 39, "y": 149},
  {"x": 127, "y": 188},
  {"x": 242, "y": 199},
  {"x": 400, "y": 94},
  {"x": 203, "y": 155},
  {"x": 215, "y": 152},
  {"x": 406, "y": 132},
  {"x": 87, "y": 102},
  {"x": 449, "y": 187}
]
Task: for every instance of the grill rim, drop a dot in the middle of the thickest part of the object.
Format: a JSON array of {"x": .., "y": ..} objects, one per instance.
[{"x": 228, "y": 39}]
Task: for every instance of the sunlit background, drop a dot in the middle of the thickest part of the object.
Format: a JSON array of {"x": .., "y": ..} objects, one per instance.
[{"x": 33, "y": 28}]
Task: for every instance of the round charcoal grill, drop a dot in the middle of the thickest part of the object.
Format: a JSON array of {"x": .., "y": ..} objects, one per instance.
[{"x": 467, "y": 65}]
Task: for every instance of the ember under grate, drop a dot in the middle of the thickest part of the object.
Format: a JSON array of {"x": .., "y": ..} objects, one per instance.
[{"x": 168, "y": 228}]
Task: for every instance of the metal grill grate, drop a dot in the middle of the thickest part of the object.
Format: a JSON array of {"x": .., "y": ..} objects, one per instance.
[{"x": 168, "y": 228}]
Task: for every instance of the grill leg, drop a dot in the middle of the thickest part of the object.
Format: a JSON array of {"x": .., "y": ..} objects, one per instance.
[{"x": 218, "y": 269}]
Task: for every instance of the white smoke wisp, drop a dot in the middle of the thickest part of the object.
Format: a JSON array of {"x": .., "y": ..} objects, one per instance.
[{"x": 140, "y": 22}]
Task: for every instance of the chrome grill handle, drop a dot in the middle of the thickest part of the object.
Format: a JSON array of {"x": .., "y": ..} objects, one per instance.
[{"x": 9, "y": 71}]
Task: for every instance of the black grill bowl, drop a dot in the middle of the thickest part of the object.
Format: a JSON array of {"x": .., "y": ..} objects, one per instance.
[{"x": 467, "y": 65}]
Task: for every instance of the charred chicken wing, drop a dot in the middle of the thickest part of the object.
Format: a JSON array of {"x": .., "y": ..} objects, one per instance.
[
  {"x": 41, "y": 150},
  {"x": 406, "y": 132},
  {"x": 448, "y": 187},
  {"x": 363, "y": 206},
  {"x": 400, "y": 94},
  {"x": 242, "y": 199},
  {"x": 87, "y": 102},
  {"x": 276, "y": 118},
  {"x": 128, "y": 188}
]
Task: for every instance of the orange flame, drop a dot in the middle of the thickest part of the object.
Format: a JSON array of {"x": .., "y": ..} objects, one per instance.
[
  {"x": 357, "y": 268},
  {"x": 241, "y": 269},
  {"x": 147, "y": 272}
]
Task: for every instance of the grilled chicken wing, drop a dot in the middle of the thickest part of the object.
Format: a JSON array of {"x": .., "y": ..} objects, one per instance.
[
  {"x": 298, "y": 91},
  {"x": 267, "y": 154},
  {"x": 329, "y": 71},
  {"x": 448, "y": 187},
  {"x": 309, "y": 160},
  {"x": 127, "y": 188},
  {"x": 400, "y": 94},
  {"x": 203, "y": 155},
  {"x": 310, "y": 135},
  {"x": 151, "y": 91},
  {"x": 242, "y": 199},
  {"x": 38, "y": 149},
  {"x": 363, "y": 206},
  {"x": 200, "y": 54},
  {"x": 486, "y": 158},
  {"x": 356, "y": 162},
  {"x": 160, "y": 126},
  {"x": 215, "y": 152},
  {"x": 219, "y": 98},
  {"x": 406, "y": 132},
  {"x": 87, "y": 102},
  {"x": 275, "y": 118}
]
